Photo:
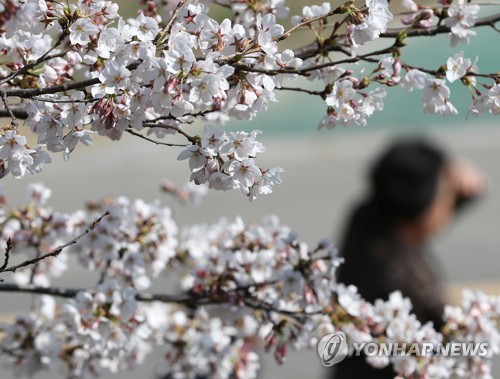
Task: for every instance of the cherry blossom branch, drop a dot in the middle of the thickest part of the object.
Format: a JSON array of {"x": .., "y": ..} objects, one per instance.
[
  {"x": 18, "y": 113},
  {"x": 55, "y": 252},
  {"x": 340, "y": 9},
  {"x": 31, "y": 92},
  {"x": 29, "y": 66},
  {"x": 297, "y": 89},
  {"x": 134, "y": 133},
  {"x": 189, "y": 300},
  {"x": 170, "y": 23},
  {"x": 328, "y": 45},
  {"x": 8, "y": 248},
  {"x": 68, "y": 101},
  {"x": 191, "y": 139},
  {"x": 258, "y": 304},
  {"x": 9, "y": 352},
  {"x": 316, "y": 67},
  {"x": 394, "y": 33},
  {"x": 10, "y": 113}
]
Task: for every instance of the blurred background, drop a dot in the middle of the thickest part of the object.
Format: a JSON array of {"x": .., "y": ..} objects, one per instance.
[{"x": 324, "y": 175}]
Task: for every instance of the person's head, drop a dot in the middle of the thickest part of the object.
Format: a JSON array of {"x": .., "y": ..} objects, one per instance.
[{"x": 410, "y": 184}]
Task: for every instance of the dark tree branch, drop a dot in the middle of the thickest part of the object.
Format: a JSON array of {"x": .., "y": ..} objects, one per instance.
[
  {"x": 485, "y": 21},
  {"x": 302, "y": 71},
  {"x": 314, "y": 48},
  {"x": 8, "y": 247},
  {"x": 18, "y": 113},
  {"x": 29, "y": 66},
  {"x": 57, "y": 250},
  {"x": 189, "y": 300},
  {"x": 30, "y": 92},
  {"x": 191, "y": 139},
  {"x": 170, "y": 23},
  {"x": 6, "y": 105},
  {"x": 306, "y": 21},
  {"x": 134, "y": 133},
  {"x": 296, "y": 89}
]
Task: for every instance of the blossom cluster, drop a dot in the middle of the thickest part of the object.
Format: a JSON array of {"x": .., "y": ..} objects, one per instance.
[
  {"x": 244, "y": 288},
  {"x": 132, "y": 244},
  {"x": 81, "y": 69},
  {"x": 225, "y": 160},
  {"x": 76, "y": 70},
  {"x": 474, "y": 321}
]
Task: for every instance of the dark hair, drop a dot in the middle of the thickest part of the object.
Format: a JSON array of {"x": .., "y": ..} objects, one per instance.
[{"x": 404, "y": 179}]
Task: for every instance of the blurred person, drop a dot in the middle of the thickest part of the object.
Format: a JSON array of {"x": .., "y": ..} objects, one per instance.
[{"x": 415, "y": 189}]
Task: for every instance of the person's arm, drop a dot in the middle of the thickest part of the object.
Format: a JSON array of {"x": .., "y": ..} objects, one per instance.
[{"x": 468, "y": 180}]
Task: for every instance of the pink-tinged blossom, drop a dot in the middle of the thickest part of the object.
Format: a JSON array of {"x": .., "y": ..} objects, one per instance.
[
  {"x": 72, "y": 139},
  {"x": 410, "y": 5},
  {"x": 494, "y": 95},
  {"x": 457, "y": 66},
  {"x": 415, "y": 79},
  {"x": 197, "y": 157},
  {"x": 221, "y": 182},
  {"x": 283, "y": 61},
  {"x": 267, "y": 30},
  {"x": 14, "y": 153},
  {"x": 342, "y": 92},
  {"x": 312, "y": 12},
  {"x": 245, "y": 173},
  {"x": 436, "y": 98},
  {"x": 115, "y": 77},
  {"x": 373, "y": 24},
  {"x": 81, "y": 30},
  {"x": 243, "y": 145},
  {"x": 212, "y": 139},
  {"x": 267, "y": 24},
  {"x": 265, "y": 185},
  {"x": 214, "y": 36},
  {"x": 75, "y": 113},
  {"x": 193, "y": 16},
  {"x": 461, "y": 17},
  {"x": 373, "y": 101},
  {"x": 146, "y": 28},
  {"x": 110, "y": 40},
  {"x": 329, "y": 121},
  {"x": 487, "y": 102},
  {"x": 391, "y": 69},
  {"x": 180, "y": 57},
  {"x": 205, "y": 89}
]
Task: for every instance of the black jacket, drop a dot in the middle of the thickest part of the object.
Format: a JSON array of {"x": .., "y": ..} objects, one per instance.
[{"x": 378, "y": 264}]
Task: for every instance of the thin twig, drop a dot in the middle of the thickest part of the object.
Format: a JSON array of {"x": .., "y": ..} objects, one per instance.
[
  {"x": 58, "y": 249},
  {"x": 316, "y": 67},
  {"x": 66, "y": 101},
  {"x": 310, "y": 92},
  {"x": 134, "y": 133},
  {"x": 29, "y": 66},
  {"x": 30, "y": 92},
  {"x": 8, "y": 247},
  {"x": 314, "y": 48},
  {"x": 9, "y": 352},
  {"x": 170, "y": 23},
  {"x": 11, "y": 114},
  {"x": 258, "y": 304},
  {"x": 191, "y": 139},
  {"x": 286, "y": 34},
  {"x": 186, "y": 299},
  {"x": 485, "y": 21},
  {"x": 18, "y": 113}
]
